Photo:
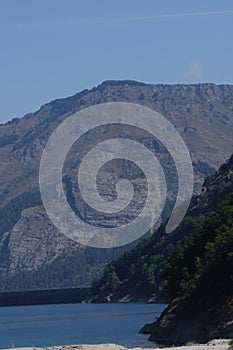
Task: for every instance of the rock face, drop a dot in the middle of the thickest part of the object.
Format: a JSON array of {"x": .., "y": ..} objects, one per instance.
[
  {"x": 202, "y": 114},
  {"x": 182, "y": 323},
  {"x": 30, "y": 248}
]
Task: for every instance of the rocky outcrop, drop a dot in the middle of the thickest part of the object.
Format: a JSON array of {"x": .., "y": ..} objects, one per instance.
[
  {"x": 185, "y": 321},
  {"x": 35, "y": 241}
]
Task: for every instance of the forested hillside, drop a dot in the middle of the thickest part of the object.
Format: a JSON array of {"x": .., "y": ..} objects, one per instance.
[
  {"x": 200, "y": 274},
  {"x": 157, "y": 267}
]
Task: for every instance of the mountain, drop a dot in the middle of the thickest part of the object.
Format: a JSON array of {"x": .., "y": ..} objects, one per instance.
[
  {"x": 200, "y": 273},
  {"x": 33, "y": 253}
]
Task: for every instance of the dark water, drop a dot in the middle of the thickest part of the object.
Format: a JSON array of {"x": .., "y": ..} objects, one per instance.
[{"x": 48, "y": 325}]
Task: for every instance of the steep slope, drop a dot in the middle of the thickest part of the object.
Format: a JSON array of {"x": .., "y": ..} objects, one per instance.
[
  {"x": 202, "y": 113},
  {"x": 200, "y": 275},
  {"x": 139, "y": 273}
]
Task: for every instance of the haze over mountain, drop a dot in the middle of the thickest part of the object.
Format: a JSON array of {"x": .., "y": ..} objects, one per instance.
[{"x": 33, "y": 252}]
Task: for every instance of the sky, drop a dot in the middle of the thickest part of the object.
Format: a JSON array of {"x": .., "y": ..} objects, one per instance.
[{"x": 56, "y": 48}]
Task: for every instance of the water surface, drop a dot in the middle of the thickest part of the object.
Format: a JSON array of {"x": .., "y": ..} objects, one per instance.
[{"x": 64, "y": 324}]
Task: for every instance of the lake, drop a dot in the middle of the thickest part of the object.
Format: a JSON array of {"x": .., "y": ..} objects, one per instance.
[{"x": 64, "y": 324}]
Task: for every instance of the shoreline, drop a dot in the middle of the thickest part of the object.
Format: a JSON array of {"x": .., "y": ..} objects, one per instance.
[
  {"x": 216, "y": 344},
  {"x": 44, "y": 296}
]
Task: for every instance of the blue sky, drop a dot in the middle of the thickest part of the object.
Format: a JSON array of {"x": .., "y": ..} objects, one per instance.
[{"x": 55, "y": 48}]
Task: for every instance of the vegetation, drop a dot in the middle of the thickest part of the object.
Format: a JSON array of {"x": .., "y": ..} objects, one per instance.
[
  {"x": 68, "y": 270},
  {"x": 203, "y": 262},
  {"x": 199, "y": 272},
  {"x": 8, "y": 139},
  {"x": 203, "y": 168},
  {"x": 10, "y": 213},
  {"x": 163, "y": 263},
  {"x": 156, "y": 265},
  {"x": 22, "y": 141},
  {"x": 139, "y": 269}
]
